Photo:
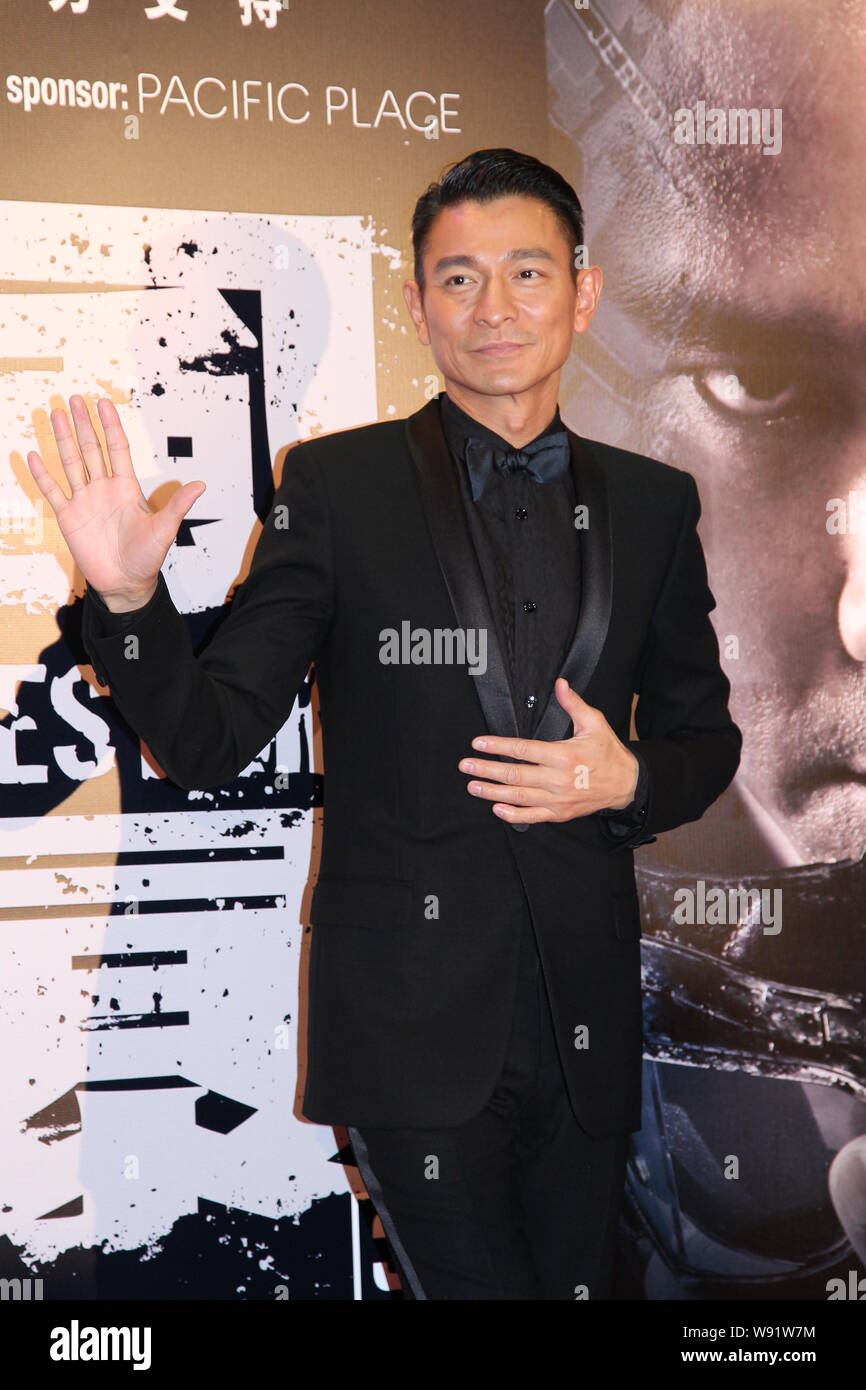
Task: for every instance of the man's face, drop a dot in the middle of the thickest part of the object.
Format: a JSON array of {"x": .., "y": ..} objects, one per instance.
[
  {"x": 500, "y": 305},
  {"x": 737, "y": 298}
]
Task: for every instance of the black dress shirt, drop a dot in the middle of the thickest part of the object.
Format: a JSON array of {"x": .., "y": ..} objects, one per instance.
[{"x": 528, "y": 550}]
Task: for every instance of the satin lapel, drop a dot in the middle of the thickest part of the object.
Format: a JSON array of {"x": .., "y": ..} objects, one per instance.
[
  {"x": 443, "y": 504},
  {"x": 596, "y": 570}
]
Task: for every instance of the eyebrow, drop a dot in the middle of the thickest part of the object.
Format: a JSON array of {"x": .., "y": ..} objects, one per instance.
[
  {"x": 708, "y": 321},
  {"x": 668, "y": 333},
  {"x": 520, "y": 253}
]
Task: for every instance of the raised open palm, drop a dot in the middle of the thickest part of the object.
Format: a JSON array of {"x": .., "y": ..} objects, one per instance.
[{"x": 117, "y": 542}]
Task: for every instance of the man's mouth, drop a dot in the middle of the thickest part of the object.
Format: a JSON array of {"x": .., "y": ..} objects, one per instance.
[{"x": 499, "y": 349}]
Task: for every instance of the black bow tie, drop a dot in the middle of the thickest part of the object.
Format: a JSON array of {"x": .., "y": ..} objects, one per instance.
[{"x": 546, "y": 460}]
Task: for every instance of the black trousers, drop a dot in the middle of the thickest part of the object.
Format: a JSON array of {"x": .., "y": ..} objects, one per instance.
[{"x": 516, "y": 1203}]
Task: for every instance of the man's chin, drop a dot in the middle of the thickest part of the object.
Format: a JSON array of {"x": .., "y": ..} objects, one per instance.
[{"x": 500, "y": 379}]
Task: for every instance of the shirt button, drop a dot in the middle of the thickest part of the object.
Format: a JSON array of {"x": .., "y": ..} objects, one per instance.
[
  {"x": 529, "y": 606},
  {"x": 521, "y": 513}
]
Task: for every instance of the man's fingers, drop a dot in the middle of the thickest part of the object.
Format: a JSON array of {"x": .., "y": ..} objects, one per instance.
[
  {"x": 514, "y": 774},
  {"x": 73, "y": 464},
  {"x": 532, "y": 815},
  {"x": 50, "y": 489},
  {"x": 115, "y": 437},
  {"x": 514, "y": 796},
  {"x": 168, "y": 518},
  {"x": 527, "y": 750},
  {"x": 88, "y": 442}
]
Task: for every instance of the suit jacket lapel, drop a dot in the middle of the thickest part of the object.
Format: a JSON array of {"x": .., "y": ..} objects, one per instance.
[
  {"x": 443, "y": 504},
  {"x": 596, "y": 580}
]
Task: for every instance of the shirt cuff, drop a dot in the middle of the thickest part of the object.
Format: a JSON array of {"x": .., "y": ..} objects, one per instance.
[
  {"x": 622, "y": 822},
  {"x": 107, "y": 624}
]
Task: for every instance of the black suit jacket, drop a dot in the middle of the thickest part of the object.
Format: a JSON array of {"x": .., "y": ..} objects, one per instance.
[{"x": 421, "y": 891}]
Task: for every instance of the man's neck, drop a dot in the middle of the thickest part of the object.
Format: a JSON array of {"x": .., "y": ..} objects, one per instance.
[{"x": 517, "y": 418}]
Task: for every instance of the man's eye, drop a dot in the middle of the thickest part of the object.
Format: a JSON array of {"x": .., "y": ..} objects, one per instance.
[
  {"x": 763, "y": 392},
  {"x": 527, "y": 270}
]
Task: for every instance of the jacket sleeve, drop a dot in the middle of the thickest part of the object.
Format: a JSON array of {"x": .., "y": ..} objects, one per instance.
[
  {"x": 205, "y": 717},
  {"x": 686, "y": 736}
]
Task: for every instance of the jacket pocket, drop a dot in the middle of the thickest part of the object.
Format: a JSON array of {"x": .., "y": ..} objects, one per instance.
[
  {"x": 378, "y": 904},
  {"x": 626, "y": 916}
]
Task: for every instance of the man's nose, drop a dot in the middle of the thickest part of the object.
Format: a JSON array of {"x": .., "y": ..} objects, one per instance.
[
  {"x": 852, "y": 600},
  {"x": 495, "y": 304}
]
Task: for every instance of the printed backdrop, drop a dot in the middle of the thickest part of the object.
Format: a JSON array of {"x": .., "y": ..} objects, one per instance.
[{"x": 205, "y": 215}]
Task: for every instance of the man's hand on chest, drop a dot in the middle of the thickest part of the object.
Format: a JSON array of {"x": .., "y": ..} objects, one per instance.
[{"x": 559, "y": 780}]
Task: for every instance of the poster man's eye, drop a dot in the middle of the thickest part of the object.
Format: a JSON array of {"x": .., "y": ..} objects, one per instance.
[{"x": 758, "y": 392}]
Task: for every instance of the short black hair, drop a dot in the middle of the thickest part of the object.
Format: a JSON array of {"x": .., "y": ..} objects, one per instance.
[{"x": 488, "y": 174}]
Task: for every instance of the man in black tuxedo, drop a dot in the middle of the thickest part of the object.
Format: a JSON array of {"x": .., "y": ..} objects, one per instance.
[{"x": 483, "y": 592}]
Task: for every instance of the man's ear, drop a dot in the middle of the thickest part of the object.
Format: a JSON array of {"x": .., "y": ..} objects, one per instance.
[
  {"x": 589, "y": 285},
  {"x": 415, "y": 305}
]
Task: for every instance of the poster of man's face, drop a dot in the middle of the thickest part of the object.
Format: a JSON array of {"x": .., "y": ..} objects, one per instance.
[{"x": 716, "y": 149}]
